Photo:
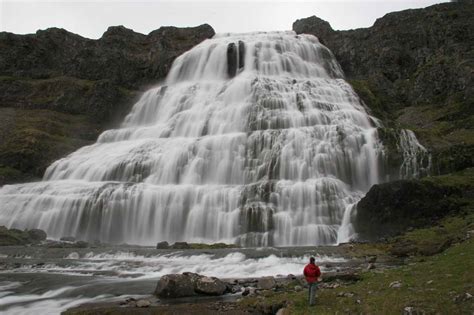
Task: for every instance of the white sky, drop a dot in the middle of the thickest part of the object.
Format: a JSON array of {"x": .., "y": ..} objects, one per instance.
[{"x": 91, "y": 18}]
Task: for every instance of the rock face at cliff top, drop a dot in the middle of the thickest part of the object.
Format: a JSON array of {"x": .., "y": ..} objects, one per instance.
[
  {"x": 58, "y": 90},
  {"x": 414, "y": 69}
]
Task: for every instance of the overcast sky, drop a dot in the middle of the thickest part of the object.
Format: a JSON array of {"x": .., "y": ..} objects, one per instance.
[{"x": 91, "y": 18}]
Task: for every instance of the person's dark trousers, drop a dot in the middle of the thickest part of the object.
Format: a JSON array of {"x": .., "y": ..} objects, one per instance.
[{"x": 312, "y": 292}]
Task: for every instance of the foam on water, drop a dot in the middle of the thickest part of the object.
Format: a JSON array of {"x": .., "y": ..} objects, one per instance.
[{"x": 118, "y": 265}]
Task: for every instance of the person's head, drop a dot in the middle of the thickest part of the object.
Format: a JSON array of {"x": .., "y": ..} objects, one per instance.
[{"x": 311, "y": 260}]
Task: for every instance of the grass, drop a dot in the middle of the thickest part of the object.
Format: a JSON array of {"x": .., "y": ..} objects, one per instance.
[{"x": 433, "y": 286}]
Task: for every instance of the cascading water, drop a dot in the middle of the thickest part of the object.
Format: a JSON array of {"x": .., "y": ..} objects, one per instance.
[
  {"x": 254, "y": 139},
  {"x": 416, "y": 159}
]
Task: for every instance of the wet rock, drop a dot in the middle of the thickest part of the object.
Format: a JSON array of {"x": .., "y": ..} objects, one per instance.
[
  {"x": 81, "y": 244},
  {"x": 143, "y": 303},
  {"x": 210, "y": 286},
  {"x": 10, "y": 237},
  {"x": 189, "y": 284},
  {"x": 162, "y": 245},
  {"x": 174, "y": 286},
  {"x": 395, "y": 284},
  {"x": 71, "y": 239},
  {"x": 37, "y": 235},
  {"x": 181, "y": 245},
  {"x": 241, "y": 54},
  {"x": 266, "y": 283},
  {"x": 231, "y": 60}
]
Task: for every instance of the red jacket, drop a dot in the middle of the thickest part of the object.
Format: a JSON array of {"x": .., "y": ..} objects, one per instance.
[{"x": 311, "y": 272}]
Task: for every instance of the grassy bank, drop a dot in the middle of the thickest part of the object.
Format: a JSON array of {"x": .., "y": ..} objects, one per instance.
[{"x": 436, "y": 284}]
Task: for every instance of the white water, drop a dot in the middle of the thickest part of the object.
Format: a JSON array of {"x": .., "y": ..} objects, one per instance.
[
  {"x": 416, "y": 158},
  {"x": 274, "y": 155},
  {"x": 122, "y": 265},
  {"x": 104, "y": 276}
]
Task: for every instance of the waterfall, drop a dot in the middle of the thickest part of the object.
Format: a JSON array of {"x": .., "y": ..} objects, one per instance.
[
  {"x": 416, "y": 158},
  {"x": 254, "y": 139}
]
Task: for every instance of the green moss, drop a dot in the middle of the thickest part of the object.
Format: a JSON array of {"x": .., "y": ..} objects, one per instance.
[
  {"x": 371, "y": 100},
  {"x": 35, "y": 138},
  {"x": 463, "y": 179}
]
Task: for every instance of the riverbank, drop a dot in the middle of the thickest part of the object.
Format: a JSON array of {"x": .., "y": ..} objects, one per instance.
[{"x": 442, "y": 283}]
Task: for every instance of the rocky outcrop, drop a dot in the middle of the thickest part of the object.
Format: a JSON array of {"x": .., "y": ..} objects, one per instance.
[
  {"x": 188, "y": 284},
  {"x": 392, "y": 208},
  {"x": 414, "y": 69},
  {"x": 58, "y": 90},
  {"x": 121, "y": 56},
  {"x": 10, "y": 237}
]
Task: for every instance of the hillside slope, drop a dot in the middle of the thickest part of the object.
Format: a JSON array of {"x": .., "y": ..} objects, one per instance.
[{"x": 58, "y": 90}]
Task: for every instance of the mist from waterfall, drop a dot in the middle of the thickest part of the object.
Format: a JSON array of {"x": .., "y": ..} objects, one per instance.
[{"x": 254, "y": 139}]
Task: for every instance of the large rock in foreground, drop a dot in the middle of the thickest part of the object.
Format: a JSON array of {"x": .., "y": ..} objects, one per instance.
[{"x": 188, "y": 284}]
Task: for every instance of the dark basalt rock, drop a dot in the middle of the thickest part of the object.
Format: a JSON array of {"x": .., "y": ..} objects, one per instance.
[
  {"x": 163, "y": 245},
  {"x": 174, "y": 286},
  {"x": 188, "y": 284},
  {"x": 241, "y": 54},
  {"x": 391, "y": 208},
  {"x": 232, "y": 60},
  {"x": 37, "y": 235},
  {"x": 180, "y": 245}
]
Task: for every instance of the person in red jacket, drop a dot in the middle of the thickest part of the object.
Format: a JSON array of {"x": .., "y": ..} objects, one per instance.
[{"x": 312, "y": 274}]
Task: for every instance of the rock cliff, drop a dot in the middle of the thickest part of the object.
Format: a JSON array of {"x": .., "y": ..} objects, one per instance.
[
  {"x": 414, "y": 69},
  {"x": 58, "y": 90}
]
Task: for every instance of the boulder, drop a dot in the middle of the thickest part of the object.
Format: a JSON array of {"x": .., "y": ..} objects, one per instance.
[
  {"x": 181, "y": 245},
  {"x": 81, "y": 244},
  {"x": 162, "y": 245},
  {"x": 266, "y": 283},
  {"x": 37, "y": 235},
  {"x": 210, "y": 286},
  {"x": 390, "y": 208},
  {"x": 189, "y": 284},
  {"x": 175, "y": 286}
]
